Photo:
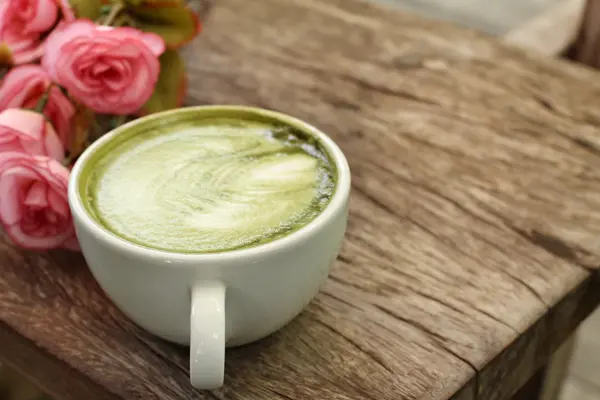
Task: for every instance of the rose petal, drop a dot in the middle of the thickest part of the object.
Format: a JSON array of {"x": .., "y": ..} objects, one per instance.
[
  {"x": 35, "y": 135},
  {"x": 28, "y": 56},
  {"x": 58, "y": 204},
  {"x": 45, "y": 16},
  {"x": 5, "y": 142},
  {"x": 13, "y": 182},
  {"x": 20, "y": 172},
  {"x": 10, "y": 144},
  {"x": 98, "y": 69},
  {"x": 10, "y": 207},
  {"x": 54, "y": 147},
  {"x": 126, "y": 49},
  {"x": 57, "y": 174},
  {"x": 154, "y": 42},
  {"x": 36, "y": 195},
  {"x": 21, "y": 42},
  {"x": 28, "y": 122},
  {"x": 26, "y": 53},
  {"x": 21, "y": 238},
  {"x": 20, "y": 83},
  {"x": 60, "y": 111},
  {"x": 4, "y": 13}
]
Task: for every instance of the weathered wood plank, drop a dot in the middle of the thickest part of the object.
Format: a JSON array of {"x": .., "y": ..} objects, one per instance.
[
  {"x": 45, "y": 370},
  {"x": 533, "y": 388},
  {"x": 512, "y": 368},
  {"x": 472, "y": 243}
]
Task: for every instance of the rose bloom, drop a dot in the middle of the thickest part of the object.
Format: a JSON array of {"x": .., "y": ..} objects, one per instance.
[
  {"x": 24, "y": 22},
  {"x": 110, "y": 70},
  {"x": 34, "y": 210},
  {"x": 28, "y": 132},
  {"x": 23, "y": 86}
]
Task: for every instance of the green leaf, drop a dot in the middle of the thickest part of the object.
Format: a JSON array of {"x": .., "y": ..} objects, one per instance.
[
  {"x": 90, "y": 9},
  {"x": 175, "y": 23},
  {"x": 170, "y": 88}
]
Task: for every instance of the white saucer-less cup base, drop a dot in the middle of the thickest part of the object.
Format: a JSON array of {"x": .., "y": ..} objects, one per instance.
[{"x": 207, "y": 335}]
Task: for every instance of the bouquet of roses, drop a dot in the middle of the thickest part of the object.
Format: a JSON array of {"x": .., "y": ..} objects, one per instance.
[{"x": 65, "y": 66}]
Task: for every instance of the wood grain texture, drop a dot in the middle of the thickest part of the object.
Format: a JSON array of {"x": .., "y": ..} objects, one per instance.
[
  {"x": 472, "y": 246},
  {"x": 45, "y": 370}
]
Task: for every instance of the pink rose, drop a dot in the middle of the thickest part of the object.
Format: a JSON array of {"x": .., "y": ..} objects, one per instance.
[
  {"x": 34, "y": 210},
  {"x": 28, "y": 132},
  {"x": 24, "y": 22},
  {"x": 23, "y": 86},
  {"x": 110, "y": 70}
]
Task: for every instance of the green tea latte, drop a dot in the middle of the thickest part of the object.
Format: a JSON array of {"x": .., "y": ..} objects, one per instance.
[{"x": 208, "y": 185}]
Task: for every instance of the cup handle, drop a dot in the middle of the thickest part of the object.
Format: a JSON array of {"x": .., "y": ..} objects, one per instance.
[{"x": 207, "y": 335}]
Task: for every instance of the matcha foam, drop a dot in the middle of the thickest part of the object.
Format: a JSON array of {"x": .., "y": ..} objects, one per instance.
[{"x": 209, "y": 186}]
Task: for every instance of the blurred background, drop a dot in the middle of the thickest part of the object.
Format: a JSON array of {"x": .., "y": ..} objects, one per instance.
[{"x": 496, "y": 17}]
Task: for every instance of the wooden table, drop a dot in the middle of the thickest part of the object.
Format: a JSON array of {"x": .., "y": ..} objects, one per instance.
[{"x": 474, "y": 237}]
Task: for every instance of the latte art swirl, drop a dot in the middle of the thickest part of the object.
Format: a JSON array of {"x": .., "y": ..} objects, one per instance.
[{"x": 211, "y": 187}]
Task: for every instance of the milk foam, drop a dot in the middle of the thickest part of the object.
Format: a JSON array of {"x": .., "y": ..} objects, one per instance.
[{"x": 209, "y": 188}]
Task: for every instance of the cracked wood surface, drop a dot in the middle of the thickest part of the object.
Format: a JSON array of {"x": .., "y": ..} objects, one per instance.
[{"x": 472, "y": 246}]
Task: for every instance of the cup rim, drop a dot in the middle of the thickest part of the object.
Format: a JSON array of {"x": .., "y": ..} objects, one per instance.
[{"x": 337, "y": 202}]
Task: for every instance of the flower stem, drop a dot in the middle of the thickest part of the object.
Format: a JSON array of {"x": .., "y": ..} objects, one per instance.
[
  {"x": 124, "y": 20},
  {"x": 41, "y": 104},
  {"x": 115, "y": 10},
  {"x": 68, "y": 160},
  {"x": 117, "y": 121}
]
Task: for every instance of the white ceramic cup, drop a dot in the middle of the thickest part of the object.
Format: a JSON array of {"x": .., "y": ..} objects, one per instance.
[{"x": 211, "y": 301}]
